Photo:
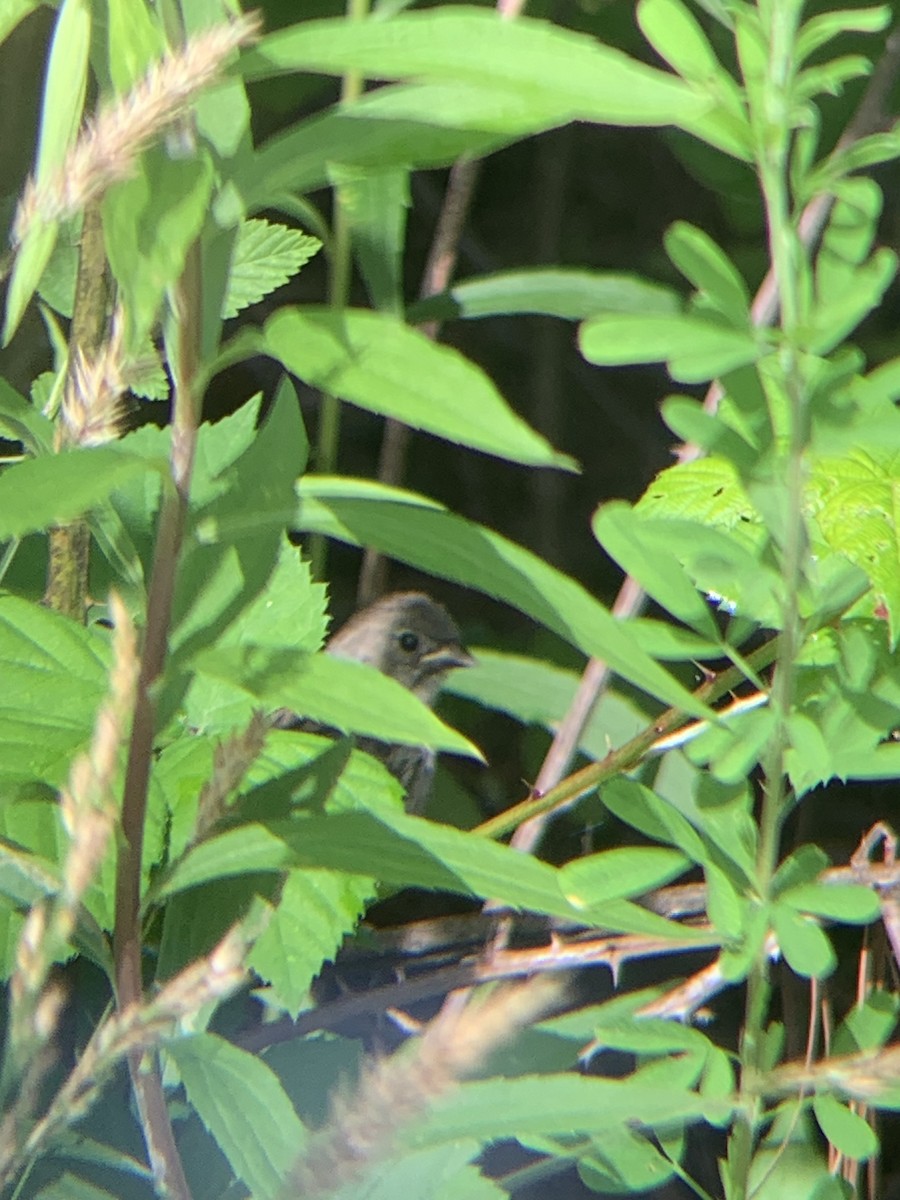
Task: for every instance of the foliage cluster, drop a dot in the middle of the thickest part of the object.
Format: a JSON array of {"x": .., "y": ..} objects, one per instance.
[{"x": 152, "y": 826}]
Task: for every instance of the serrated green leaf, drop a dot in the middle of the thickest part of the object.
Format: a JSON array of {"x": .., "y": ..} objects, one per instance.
[
  {"x": 693, "y": 350},
  {"x": 235, "y": 537},
  {"x": 567, "y": 293},
  {"x": 571, "y": 76},
  {"x": 404, "y": 851},
  {"x": 265, "y": 256},
  {"x": 315, "y": 911},
  {"x": 847, "y": 1131},
  {"x": 416, "y": 530},
  {"x": 149, "y": 222},
  {"x": 854, "y": 501},
  {"x": 262, "y": 1136},
  {"x": 54, "y": 678},
  {"x": 379, "y": 363}
]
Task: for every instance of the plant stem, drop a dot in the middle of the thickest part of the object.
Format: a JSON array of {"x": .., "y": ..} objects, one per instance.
[
  {"x": 329, "y": 432},
  {"x": 69, "y": 545},
  {"x": 774, "y": 136},
  {"x": 127, "y": 943}
]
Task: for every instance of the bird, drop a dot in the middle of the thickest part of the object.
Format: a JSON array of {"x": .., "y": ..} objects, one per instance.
[{"x": 413, "y": 639}]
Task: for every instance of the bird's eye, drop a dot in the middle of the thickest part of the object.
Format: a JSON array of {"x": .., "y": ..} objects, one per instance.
[{"x": 409, "y": 641}]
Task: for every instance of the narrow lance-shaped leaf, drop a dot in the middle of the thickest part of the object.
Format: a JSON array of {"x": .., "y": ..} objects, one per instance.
[
  {"x": 418, "y": 531},
  {"x": 63, "y": 101},
  {"x": 379, "y": 363},
  {"x": 568, "y": 74}
]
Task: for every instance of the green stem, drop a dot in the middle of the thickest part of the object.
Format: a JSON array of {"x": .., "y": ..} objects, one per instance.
[
  {"x": 774, "y": 146},
  {"x": 329, "y": 433}
]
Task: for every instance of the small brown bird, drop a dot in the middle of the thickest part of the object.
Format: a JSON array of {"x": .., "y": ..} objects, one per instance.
[{"x": 412, "y": 638}]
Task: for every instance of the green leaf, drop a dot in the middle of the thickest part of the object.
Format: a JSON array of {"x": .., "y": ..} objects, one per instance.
[
  {"x": 288, "y": 614},
  {"x": 374, "y": 205},
  {"x": 21, "y": 421},
  {"x": 418, "y": 531},
  {"x": 235, "y": 539},
  {"x": 825, "y": 26},
  {"x": 846, "y": 1131},
  {"x": 850, "y": 903},
  {"x": 12, "y": 12},
  {"x": 838, "y": 315},
  {"x": 315, "y": 911},
  {"x": 854, "y": 501},
  {"x": 71, "y": 1187},
  {"x": 149, "y": 222},
  {"x": 405, "y": 126},
  {"x": 404, "y": 851},
  {"x": 536, "y": 692},
  {"x": 711, "y": 272},
  {"x": 337, "y": 692},
  {"x": 136, "y": 41},
  {"x": 27, "y": 878},
  {"x": 805, "y": 947},
  {"x": 557, "y": 1104},
  {"x": 553, "y": 291},
  {"x": 620, "y": 874},
  {"x": 567, "y": 74},
  {"x": 643, "y": 810},
  {"x": 829, "y": 78},
  {"x": 262, "y": 1136},
  {"x": 675, "y": 34},
  {"x": 375, "y": 361},
  {"x": 642, "y": 548},
  {"x": 436, "y": 1173},
  {"x": 265, "y": 256},
  {"x": 54, "y": 678},
  {"x": 693, "y": 350},
  {"x": 61, "y": 109},
  {"x": 51, "y": 490},
  {"x": 868, "y": 1025}
]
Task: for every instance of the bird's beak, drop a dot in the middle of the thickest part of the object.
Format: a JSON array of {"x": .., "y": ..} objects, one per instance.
[{"x": 447, "y": 658}]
